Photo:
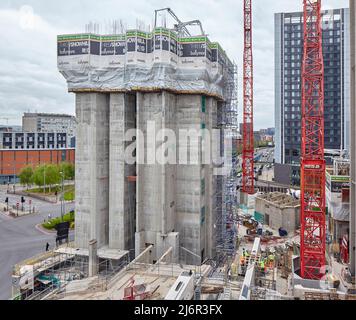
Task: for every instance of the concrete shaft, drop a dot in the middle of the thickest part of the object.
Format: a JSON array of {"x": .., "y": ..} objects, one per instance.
[
  {"x": 122, "y": 195},
  {"x": 156, "y": 191},
  {"x": 92, "y": 169},
  {"x": 93, "y": 258}
]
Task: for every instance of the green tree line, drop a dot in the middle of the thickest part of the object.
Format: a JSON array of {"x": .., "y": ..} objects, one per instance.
[{"x": 47, "y": 174}]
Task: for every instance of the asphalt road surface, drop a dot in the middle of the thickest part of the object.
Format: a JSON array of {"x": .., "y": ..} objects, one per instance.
[{"x": 20, "y": 240}]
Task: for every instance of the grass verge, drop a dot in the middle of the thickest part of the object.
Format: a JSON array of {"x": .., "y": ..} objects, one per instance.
[{"x": 51, "y": 224}]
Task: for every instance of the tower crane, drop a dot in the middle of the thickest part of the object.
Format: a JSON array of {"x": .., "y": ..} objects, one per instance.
[
  {"x": 248, "y": 175},
  {"x": 312, "y": 235}
]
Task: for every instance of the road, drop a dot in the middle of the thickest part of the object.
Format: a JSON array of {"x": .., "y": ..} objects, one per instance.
[
  {"x": 20, "y": 240},
  {"x": 267, "y": 156}
]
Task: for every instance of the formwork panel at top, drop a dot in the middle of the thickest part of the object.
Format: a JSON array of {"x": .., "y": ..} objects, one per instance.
[{"x": 140, "y": 60}]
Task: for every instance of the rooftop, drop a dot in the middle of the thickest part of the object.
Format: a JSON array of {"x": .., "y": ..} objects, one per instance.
[
  {"x": 36, "y": 114},
  {"x": 280, "y": 200}
]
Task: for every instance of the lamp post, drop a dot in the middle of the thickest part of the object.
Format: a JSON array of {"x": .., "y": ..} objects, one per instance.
[
  {"x": 62, "y": 197},
  {"x": 44, "y": 179},
  {"x": 14, "y": 175},
  {"x": 8, "y": 179}
]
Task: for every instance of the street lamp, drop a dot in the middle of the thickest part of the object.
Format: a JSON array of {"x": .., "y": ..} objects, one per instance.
[
  {"x": 8, "y": 179},
  {"x": 62, "y": 198},
  {"x": 44, "y": 179},
  {"x": 14, "y": 176}
]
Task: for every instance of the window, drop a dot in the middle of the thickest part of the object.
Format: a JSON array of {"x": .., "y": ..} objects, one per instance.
[
  {"x": 202, "y": 186},
  {"x": 179, "y": 285},
  {"x": 202, "y": 215},
  {"x": 203, "y": 104}
]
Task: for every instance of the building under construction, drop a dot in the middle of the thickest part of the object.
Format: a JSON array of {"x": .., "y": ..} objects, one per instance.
[
  {"x": 149, "y": 230},
  {"x": 161, "y": 79}
]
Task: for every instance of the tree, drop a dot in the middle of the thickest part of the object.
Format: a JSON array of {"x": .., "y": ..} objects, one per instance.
[
  {"x": 52, "y": 175},
  {"x": 26, "y": 175},
  {"x": 47, "y": 174},
  {"x": 38, "y": 176},
  {"x": 68, "y": 169}
]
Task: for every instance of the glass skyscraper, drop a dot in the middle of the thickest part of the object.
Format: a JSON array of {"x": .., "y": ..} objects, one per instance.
[{"x": 288, "y": 65}]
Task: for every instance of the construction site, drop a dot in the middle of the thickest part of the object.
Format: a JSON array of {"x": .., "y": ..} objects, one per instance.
[{"x": 190, "y": 229}]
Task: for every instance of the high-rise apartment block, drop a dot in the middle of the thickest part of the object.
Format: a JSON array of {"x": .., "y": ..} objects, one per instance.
[{"x": 288, "y": 66}]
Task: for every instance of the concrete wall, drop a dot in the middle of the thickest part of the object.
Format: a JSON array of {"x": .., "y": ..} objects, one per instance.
[
  {"x": 287, "y": 218},
  {"x": 353, "y": 138},
  {"x": 122, "y": 195},
  {"x": 29, "y": 124},
  {"x": 92, "y": 169}
]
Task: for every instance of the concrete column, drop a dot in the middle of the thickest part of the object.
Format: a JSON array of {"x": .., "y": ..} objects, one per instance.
[
  {"x": 353, "y": 140},
  {"x": 122, "y": 195},
  {"x": 93, "y": 258},
  {"x": 92, "y": 169},
  {"x": 156, "y": 194},
  {"x": 189, "y": 180}
]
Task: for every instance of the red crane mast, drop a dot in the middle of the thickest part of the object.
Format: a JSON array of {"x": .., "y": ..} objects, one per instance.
[
  {"x": 248, "y": 143},
  {"x": 312, "y": 236}
]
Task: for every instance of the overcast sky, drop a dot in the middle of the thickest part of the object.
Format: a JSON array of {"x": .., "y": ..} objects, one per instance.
[{"x": 29, "y": 79}]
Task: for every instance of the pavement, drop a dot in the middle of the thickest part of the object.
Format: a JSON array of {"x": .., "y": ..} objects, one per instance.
[{"x": 20, "y": 239}]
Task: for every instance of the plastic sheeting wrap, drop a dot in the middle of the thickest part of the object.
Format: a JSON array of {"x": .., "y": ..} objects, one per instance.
[
  {"x": 144, "y": 61},
  {"x": 342, "y": 213}
]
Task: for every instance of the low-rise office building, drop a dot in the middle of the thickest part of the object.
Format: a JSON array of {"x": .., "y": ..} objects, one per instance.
[
  {"x": 33, "y": 140},
  {"x": 278, "y": 210},
  {"x": 12, "y": 161}
]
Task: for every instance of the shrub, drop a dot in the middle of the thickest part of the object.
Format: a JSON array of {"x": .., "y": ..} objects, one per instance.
[{"x": 51, "y": 224}]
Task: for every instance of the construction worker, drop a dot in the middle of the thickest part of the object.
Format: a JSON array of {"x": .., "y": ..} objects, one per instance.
[
  {"x": 262, "y": 266},
  {"x": 242, "y": 261},
  {"x": 242, "y": 265},
  {"x": 271, "y": 261}
]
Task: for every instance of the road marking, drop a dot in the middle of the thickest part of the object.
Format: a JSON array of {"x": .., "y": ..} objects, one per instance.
[
  {"x": 6, "y": 216},
  {"x": 39, "y": 228}
]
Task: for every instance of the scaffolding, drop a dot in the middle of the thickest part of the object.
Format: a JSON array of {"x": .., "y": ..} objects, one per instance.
[
  {"x": 226, "y": 186},
  {"x": 53, "y": 271}
]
